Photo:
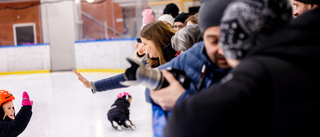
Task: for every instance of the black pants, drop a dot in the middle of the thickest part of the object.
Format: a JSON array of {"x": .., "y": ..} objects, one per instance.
[{"x": 117, "y": 116}]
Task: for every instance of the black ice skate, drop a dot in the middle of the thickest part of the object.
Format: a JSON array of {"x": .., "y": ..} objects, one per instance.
[
  {"x": 128, "y": 124},
  {"x": 116, "y": 126}
]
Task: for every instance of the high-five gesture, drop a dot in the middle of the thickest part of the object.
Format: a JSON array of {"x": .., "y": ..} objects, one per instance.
[
  {"x": 26, "y": 99},
  {"x": 84, "y": 81}
]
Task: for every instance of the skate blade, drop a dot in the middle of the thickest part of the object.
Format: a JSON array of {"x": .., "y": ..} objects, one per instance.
[
  {"x": 116, "y": 126},
  {"x": 130, "y": 125}
]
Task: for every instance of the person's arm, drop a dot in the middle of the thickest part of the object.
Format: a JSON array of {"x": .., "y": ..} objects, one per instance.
[
  {"x": 109, "y": 83},
  {"x": 102, "y": 85},
  {"x": 139, "y": 54}
]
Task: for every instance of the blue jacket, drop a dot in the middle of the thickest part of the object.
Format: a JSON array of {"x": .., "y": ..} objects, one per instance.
[
  {"x": 191, "y": 62},
  {"x": 109, "y": 83}
]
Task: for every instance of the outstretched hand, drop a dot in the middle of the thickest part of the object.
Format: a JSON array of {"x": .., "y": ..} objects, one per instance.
[
  {"x": 168, "y": 96},
  {"x": 84, "y": 81},
  {"x": 26, "y": 100}
]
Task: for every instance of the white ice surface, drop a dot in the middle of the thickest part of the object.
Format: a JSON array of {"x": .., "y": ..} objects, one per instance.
[{"x": 63, "y": 107}]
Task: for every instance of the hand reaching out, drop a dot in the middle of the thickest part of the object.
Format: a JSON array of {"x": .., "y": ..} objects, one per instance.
[
  {"x": 84, "y": 81},
  {"x": 168, "y": 96}
]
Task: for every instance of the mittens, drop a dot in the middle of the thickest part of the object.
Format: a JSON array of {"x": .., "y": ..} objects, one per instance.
[{"x": 26, "y": 100}]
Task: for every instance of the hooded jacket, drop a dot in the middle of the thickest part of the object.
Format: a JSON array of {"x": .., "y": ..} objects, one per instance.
[
  {"x": 274, "y": 91},
  {"x": 119, "y": 110}
]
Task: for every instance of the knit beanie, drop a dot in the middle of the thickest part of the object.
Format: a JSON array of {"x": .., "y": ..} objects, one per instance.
[
  {"x": 309, "y": 1},
  {"x": 167, "y": 18},
  {"x": 210, "y": 13},
  {"x": 181, "y": 17},
  {"x": 186, "y": 37},
  {"x": 248, "y": 22},
  {"x": 171, "y": 9},
  {"x": 147, "y": 16}
]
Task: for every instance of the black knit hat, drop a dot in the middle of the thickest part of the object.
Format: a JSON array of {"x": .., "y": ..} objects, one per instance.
[
  {"x": 210, "y": 13},
  {"x": 181, "y": 17},
  {"x": 310, "y": 1},
  {"x": 171, "y": 9},
  {"x": 246, "y": 23}
]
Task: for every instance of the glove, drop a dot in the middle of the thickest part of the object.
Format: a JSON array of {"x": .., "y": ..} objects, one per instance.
[
  {"x": 152, "y": 78},
  {"x": 26, "y": 100},
  {"x": 138, "y": 73}
]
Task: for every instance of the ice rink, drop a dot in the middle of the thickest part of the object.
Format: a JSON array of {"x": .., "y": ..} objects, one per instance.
[{"x": 63, "y": 107}]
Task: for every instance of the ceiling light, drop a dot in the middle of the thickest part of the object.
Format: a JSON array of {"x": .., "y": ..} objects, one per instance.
[{"x": 90, "y": 1}]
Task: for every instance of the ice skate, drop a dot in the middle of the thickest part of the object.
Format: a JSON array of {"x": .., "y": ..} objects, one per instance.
[
  {"x": 130, "y": 125},
  {"x": 116, "y": 126}
]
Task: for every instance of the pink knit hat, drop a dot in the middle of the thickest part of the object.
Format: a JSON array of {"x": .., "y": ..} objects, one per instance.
[{"x": 148, "y": 16}]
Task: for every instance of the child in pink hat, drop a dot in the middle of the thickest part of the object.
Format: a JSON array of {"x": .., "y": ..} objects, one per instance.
[{"x": 119, "y": 112}]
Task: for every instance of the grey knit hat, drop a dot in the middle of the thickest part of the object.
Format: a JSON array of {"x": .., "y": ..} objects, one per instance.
[
  {"x": 247, "y": 22},
  {"x": 186, "y": 37},
  {"x": 309, "y": 1},
  {"x": 210, "y": 13}
]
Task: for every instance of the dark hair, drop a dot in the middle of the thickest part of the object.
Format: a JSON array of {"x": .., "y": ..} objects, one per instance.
[
  {"x": 171, "y": 9},
  {"x": 1, "y": 113}
]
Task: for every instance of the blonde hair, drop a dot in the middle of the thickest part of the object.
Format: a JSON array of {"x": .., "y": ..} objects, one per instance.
[
  {"x": 193, "y": 19},
  {"x": 160, "y": 34}
]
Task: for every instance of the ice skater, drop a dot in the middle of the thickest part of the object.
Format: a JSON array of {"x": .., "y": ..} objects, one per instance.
[
  {"x": 12, "y": 125},
  {"x": 119, "y": 112}
]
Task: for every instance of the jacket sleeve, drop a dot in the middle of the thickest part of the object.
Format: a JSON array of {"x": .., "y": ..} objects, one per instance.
[
  {"x": 18, "y": 125},
  {"x": 110, "y": 83},
  {"x": 138, "y": 57}
]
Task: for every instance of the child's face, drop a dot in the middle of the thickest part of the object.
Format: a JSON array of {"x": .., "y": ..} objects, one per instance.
[{"x": 8, "y": 109}]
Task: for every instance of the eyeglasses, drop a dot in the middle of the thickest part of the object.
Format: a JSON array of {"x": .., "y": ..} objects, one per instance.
[{"x": 180, "y": 26}]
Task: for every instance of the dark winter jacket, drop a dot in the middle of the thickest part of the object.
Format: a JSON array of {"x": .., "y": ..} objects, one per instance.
[
  {"x": 274, "y": 91},
  {"x": 119, "y": 110},
  {"x": 168, "y": 52},
  {"x": 191, "y": 62},
  {"x": 18, "y": 125}
]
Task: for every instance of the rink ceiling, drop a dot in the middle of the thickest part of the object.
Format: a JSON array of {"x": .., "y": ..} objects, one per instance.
[{"x": 63, "y": 107}]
